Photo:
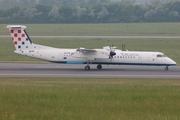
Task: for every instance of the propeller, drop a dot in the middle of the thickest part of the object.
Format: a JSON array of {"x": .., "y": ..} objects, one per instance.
[
  {"x": 123, "y": 47},
  {"x": 112, "y": 53}
]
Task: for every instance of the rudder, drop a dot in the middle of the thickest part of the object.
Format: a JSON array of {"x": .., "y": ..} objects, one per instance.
[{"x": 20, "y": 38}]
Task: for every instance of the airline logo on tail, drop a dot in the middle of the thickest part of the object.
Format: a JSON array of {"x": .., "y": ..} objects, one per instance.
[{"x": 19, "y": 36}]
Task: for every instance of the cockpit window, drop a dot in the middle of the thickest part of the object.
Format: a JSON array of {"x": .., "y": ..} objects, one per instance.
[{"x": 161, "y": 55}]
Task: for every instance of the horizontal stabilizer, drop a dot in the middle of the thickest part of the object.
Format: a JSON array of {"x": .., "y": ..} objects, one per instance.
[{"x": 16, "y": 27}]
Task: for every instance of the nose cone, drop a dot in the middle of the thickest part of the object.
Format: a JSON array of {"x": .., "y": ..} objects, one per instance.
[
  {"x": 174, "y": 62},
  {"x": 171, "y": 62}
]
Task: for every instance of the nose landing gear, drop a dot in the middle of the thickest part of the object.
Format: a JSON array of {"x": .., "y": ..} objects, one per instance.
[{"x": 166, "y": 68}]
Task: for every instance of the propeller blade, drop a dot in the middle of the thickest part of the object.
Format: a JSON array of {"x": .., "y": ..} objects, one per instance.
[
  {"x": 123, "y": 47},
  {"x": 111, "y": 53}
]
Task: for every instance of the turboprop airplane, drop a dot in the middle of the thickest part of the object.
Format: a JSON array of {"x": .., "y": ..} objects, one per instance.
[{"x": 108, "y": 55}]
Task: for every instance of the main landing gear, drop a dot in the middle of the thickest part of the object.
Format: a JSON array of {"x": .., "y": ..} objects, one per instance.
[
  {"x": 87, "y": 67},
  {"x": 166, "y": 68},
  {"x": 99, "y": 67}
]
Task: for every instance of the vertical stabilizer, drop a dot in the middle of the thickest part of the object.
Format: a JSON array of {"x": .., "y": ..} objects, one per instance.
[{"x": 20, "y": 38}]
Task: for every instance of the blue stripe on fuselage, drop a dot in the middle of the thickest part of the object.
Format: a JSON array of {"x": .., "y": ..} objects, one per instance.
[{"x": 74, "y": 62}]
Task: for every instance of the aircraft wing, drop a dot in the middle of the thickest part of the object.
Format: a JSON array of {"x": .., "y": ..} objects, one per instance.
[
  {"x": 90, "y": 54},
  {"x": 86, "y": 50}
]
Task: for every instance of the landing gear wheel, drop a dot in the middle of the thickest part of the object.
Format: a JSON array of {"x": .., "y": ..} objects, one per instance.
[
  {"x": 166, "y": 68},
  {"x": 99, "y": 67},
  {"x": 87, "y": 68}
]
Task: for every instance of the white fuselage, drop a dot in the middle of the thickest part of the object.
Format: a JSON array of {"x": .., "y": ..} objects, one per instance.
[
  {"x": 121, "y": 58},
  {"x": 108, "y": 55}
]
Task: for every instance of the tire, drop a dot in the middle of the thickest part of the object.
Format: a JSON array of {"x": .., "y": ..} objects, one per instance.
[
  {"x": 99, "y": 67},
  {"x": 87, "y": 68}
]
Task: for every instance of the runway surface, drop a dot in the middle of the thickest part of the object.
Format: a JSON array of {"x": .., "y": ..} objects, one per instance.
[{"x": 77, "y": 71}]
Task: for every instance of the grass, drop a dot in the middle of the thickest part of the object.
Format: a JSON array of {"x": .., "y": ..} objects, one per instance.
[
  {"x": 118, "y": 29},
  {"x": 170, "y": 47},
  {"x": 89, "y": 99}
]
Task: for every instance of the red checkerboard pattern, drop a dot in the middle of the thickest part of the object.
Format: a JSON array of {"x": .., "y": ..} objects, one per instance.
[{"x": 19, "y": 38}]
